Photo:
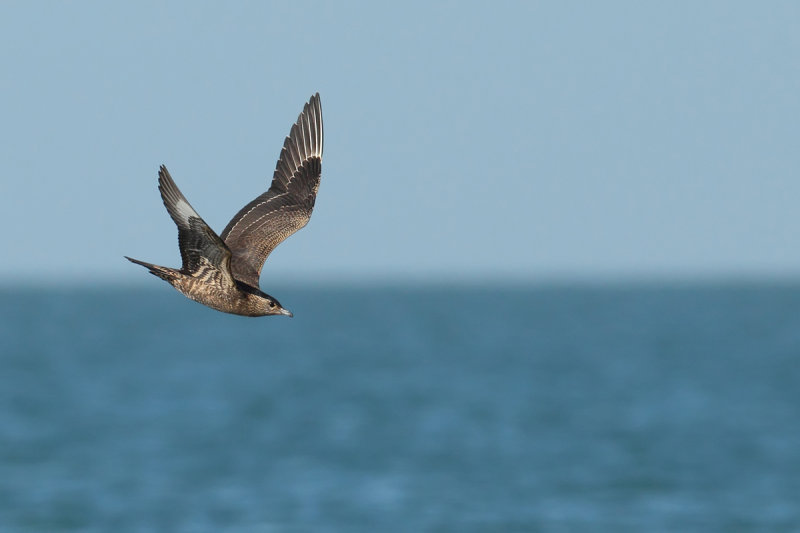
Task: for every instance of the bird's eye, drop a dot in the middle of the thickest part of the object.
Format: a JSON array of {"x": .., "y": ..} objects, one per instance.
[{"x": 272, "y": 304}]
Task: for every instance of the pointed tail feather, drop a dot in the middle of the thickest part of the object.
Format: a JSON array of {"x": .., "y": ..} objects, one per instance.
[{"x": 165, "y": 273}]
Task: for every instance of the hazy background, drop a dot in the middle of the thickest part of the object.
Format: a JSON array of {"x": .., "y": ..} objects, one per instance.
[
  {"x": 534, "y": 143},
  {"x": 520, "y": 140}
]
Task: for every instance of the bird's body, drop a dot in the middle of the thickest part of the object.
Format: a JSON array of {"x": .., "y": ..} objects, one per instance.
[
  {"x": 205, "y": 287},
  {"x": 223, "y": 272}
]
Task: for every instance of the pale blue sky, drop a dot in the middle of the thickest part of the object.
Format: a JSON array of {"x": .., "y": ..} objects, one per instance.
[{"x": 463, "y": 140}]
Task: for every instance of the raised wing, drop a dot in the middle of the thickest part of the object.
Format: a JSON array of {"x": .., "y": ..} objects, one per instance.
[
  {"x": 268, "y": 220},
  {"x": 203, "y": 253}
]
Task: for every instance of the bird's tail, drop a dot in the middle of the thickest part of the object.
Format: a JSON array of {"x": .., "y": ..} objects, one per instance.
[{"x": 165, "y": 273}]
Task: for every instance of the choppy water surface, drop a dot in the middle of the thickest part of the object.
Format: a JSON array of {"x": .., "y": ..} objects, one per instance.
[{"x": 419, "y": 409}]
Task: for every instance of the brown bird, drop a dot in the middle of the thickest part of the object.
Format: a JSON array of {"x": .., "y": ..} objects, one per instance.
[{"x": 222, "y": 271}]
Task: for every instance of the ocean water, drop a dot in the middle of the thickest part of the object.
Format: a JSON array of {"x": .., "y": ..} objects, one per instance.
[{"x": 443, "y": 409}]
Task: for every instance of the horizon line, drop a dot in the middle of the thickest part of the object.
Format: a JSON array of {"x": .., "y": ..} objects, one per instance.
[{"x": 564, "y": 280}]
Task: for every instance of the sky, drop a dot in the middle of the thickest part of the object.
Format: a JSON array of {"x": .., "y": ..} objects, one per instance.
[{"x": 463, "y": 140}]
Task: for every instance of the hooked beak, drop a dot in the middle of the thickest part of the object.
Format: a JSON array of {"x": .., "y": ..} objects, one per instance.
[{"x": 286, "y": 312}]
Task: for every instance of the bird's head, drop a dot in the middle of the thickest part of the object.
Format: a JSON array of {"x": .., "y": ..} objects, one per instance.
[
  {"x": 271, "y": 306},
  {"x": 260, "y": 303}
]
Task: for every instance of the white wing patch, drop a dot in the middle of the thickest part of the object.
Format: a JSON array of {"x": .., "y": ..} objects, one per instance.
[{"x": 184, "y": 210}]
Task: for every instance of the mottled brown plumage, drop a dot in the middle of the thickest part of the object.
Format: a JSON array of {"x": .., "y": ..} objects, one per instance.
[{"x": 222, "y": 272}]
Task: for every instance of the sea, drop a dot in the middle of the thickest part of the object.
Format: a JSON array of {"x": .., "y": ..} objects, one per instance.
[{"x": 418, "y": 408}]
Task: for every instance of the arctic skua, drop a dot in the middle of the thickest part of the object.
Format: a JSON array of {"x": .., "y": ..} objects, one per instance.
[{"x": 222, "y": 271}]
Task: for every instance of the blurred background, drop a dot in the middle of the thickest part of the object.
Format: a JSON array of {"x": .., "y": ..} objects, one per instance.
[
  {"x": 550, "y": 282},
  {"x": 525, "y": 140}
]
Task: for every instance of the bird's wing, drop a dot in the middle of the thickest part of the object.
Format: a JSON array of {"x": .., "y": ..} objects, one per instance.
[
  {"x": 268, "y": 220},
  {"x": 203, "y": 253}
]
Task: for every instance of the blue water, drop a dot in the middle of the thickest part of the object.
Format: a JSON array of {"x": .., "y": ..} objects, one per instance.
[{"x": 637, "y": 409}]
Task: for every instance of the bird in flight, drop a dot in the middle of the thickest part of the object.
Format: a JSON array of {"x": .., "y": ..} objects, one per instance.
[{"x": 222, "y": 271}]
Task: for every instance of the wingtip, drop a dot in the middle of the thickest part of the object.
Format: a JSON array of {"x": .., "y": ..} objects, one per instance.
[{"x": 165, "y": 181}]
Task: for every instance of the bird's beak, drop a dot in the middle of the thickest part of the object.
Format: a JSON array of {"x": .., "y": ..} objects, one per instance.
[{"x": 286, "y": 312}]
